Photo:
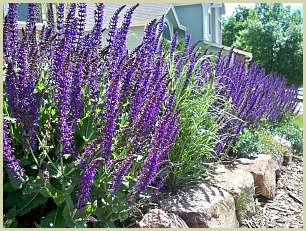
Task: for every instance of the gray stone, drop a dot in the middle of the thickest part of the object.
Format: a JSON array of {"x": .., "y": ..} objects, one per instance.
[
  {"x": 287, "y": 157},
  {"x": 157, "y": 218},
  {"x": 263, "y": 169},
  {"x": 203, "y": 206},
  {"x": 240, "y": 183}
]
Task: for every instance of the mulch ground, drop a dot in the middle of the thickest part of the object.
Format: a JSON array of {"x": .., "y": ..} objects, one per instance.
[{"x": 285, "y": 210}]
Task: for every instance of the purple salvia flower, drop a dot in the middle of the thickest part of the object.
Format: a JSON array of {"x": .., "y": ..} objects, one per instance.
[
  {"x": 157, "y": 153},
  {"x": 12, "y": 164},
  {"x": 173, "y": 45},
  {"x": 25, "y": 104},
  {"x": 113, "y": 24},
  {"x": 64, "y": 103},
  {"x": 70, "y": 32},
  {"x": 159, "y": 185},
  {"x": 32, "y": 17},
  {"x": 98, "y": 23},
  {"x": 50, "y": 18},
  {"x": 120, "y": 173},
  {"x": 76, "y": 94},
  {"x": 161, "y": 48},
  {"x": 187, "y": 41},
  {"x": 118, "y": 45},
  {"x": 160, "y": 29},
  {"x": 60, "y": 20},
  {"x": 11, "y": 41},
  {"x": 179, "y": 67},
  {"x": 170, "y": 101},
  {"x": 123, "y": 31},
  {"x": 110, "y": 114},
  {"x": 86, "y": 181},
  {"x": 147, "y": 173},
  {"x": 94, "y": 84},
  {"x": 81, "y": 21}
]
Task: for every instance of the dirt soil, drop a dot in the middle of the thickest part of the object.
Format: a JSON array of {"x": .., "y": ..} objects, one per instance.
[{"x": 285, "y": 210}]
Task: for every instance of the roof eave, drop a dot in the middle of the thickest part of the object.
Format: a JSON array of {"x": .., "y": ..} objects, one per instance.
[{"x": 245, "y": 53}]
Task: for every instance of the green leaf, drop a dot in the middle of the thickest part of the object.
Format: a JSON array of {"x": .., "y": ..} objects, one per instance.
[
  {"x": 53, "y": 171},
  {"x": 66, "y": 156},
  {"x": 53, "y": 111},
  {"x": 29, "y": 202},
  {"x": 46, "y": 192},
  {"x": 15, "y": 183},
  {"x": 12, "y": 199},
  {"x": 123, "y": 215},
  {"x": 54, "y": 219},
  {"x": 59, "y": 198},
  {"x": 12, "y": 213},
  {"x": 69, "y": 201},
  {"x": 8, "y": 187},
  {"x": 81, "y": 212},
  {"x": 11, "y": 221},
  {"x": 72, "y": 223}
]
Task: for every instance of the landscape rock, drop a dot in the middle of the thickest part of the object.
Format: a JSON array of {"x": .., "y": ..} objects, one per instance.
[
  {"x": 240, "y": 183},
  {"x": 204, "y": 206},
  {"x": 287, "y": 158},
  {"x": 263, "y": 169},
  {"x": 157, "y": 218}
]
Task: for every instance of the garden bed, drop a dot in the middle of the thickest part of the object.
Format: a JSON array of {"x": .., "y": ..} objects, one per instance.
[
  {"x": 285, "y": 210},
  {"x": 93, "y": 132}
]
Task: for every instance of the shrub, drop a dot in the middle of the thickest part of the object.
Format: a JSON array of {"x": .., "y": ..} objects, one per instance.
[
  {"x": 252, "y": 142},
  {"x": 288, "y": 130}
]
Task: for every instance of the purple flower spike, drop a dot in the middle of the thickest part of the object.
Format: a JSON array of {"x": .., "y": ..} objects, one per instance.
[
  {"x": 110, "y": 114},
  {"x": 97, "y": 34},
  {"x": 9, "y": 159},
  {"x": 81, "y": 21},
  {"x": 32, "y": 17},
  {"x": 173, "y": 45},
  {"x": 86, "y": 181},
  {"x": 60, "y": 20},
  {"x": 10, "y": 38},
  {"x": 113, "y": 25},
  {"x": 120, "y": 173}
]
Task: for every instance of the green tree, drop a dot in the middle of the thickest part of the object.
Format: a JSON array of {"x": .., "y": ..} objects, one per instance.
[
  {"x": 233, "y": 25},
  {"x": 274, "y": 36}
]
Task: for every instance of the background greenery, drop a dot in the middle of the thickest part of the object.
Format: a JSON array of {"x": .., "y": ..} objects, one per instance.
[{"x": 273, "y": 33}]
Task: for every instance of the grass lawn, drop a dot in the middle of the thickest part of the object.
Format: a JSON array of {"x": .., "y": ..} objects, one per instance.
[{"x": 298, "y": 120}]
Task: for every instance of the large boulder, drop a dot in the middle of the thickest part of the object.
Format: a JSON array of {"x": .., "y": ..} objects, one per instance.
[
  {"x": 263, "y": 168},
  {"x": 204, "y": 206},
  {"x": 238, "y": 182},
  {"x": 157, "y": 218}
]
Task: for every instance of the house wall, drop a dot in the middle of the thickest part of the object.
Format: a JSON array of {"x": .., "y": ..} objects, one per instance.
[
  {"x": 134, "y": 39},
  {"x": 191, "y": 17}
]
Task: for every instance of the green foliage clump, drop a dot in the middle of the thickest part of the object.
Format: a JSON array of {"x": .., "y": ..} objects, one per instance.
[
  {"x": 252, "y": 142},
  {"x": 288, "y": 130},
  {"x": 273, "y": 33}
]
